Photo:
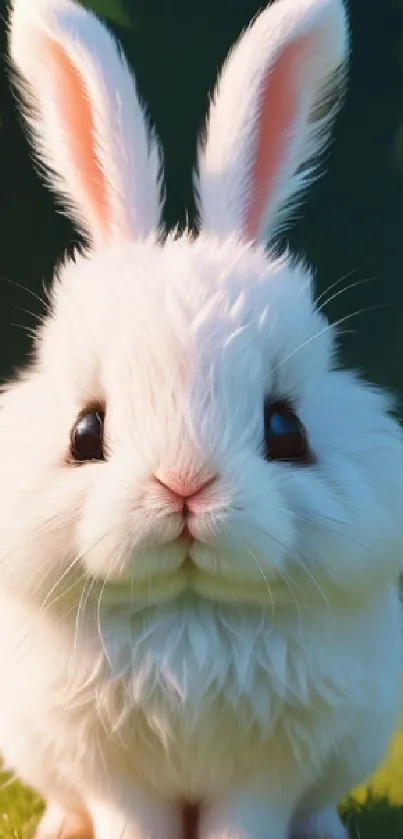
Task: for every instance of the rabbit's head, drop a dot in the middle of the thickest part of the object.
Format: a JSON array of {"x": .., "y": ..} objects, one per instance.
[{"x": 182, "y": 425}]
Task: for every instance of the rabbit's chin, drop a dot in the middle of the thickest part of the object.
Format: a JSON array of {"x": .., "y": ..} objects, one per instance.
[
  {"x": 179, "y": 568},
  {"x": 169, "y": 587},
  {"x": 187, "y": 577},
  {"x": 187, "y": 580}
]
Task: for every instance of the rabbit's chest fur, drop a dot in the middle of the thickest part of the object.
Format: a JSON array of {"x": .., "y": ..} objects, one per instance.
[
  {"x": 195, "y": 699},
  {"x": 203, "y": 697}
]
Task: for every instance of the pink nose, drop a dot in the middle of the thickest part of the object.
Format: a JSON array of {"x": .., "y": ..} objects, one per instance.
[{"x": 184, "y": 486}]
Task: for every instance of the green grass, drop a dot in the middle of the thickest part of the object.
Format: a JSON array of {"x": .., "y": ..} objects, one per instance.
[
  {"x": 373, "y": 812},
  {"x": 20, "y": 810}
]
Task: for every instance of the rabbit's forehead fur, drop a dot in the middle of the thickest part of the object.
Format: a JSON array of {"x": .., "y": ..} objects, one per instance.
[{"x": 194, "y": 321}]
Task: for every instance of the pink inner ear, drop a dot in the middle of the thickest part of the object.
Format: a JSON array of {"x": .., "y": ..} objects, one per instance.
[
  {"x": 278, "y": 106},
  {"x": 78, "y": 124}
]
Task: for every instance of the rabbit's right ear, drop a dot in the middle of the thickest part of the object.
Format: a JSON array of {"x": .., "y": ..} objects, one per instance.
[{"x": 88, "y": 127}]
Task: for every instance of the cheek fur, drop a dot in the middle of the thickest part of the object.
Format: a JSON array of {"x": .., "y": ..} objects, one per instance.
[
  {"x": 38, "y": 549},
  {"x": 258, "y": 527}
]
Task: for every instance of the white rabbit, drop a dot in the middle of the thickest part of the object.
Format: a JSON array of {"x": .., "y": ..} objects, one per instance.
[{"x": 200, "y": 515}]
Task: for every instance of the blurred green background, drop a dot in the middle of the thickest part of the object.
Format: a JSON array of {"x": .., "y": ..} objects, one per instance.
[{"x": 352, "y": 221}]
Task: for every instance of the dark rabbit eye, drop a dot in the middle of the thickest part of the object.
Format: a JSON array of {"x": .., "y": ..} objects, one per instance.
[
  {"x": 87, "y": 436},
  {"x": 285, "y": 437}
]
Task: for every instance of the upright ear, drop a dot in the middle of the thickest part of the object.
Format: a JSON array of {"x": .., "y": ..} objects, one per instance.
[
  {"x": 270, "y": 116},
  {"x": 88, "y": 128}
]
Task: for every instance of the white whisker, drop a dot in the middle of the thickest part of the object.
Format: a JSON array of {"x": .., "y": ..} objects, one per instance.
[
  {"x": 263, "y": 575},
  {"x": 335, "y": 284},
  {"x": 99, "y": 620},
  {"x": 82, "y": 604},
  {"x": 343, "y": 291},
  {"x": 58, "y": 582},
  {"x": 329, "y": 326}
]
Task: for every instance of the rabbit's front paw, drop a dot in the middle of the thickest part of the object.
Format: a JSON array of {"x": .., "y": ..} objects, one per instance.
[
  {"x": 324, "y": 824},
  {"x": 248, "y": 815},
  {"x": 139, "y": 815},
  {"x": 58, "y": 823}
]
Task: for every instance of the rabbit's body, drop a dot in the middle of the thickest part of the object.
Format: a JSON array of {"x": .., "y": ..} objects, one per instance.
[
  {"x": 172, "y": 709},
  {"x": 200, "y": 515}
]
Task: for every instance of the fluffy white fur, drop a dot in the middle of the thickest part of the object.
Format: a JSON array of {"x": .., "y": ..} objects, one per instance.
[
  {"x": 293, "y": 53},
  {"x": 126, "y": 154},
  {"x": 266, "y": 682}
]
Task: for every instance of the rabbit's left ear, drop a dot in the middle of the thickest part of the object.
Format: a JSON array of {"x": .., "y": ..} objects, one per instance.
[
  {"x": 270, "y": 117},
  {"x": 88, "y": 127}
]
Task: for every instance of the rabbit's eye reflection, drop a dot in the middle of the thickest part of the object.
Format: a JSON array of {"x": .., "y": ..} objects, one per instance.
[
  {"x": 285, "y": 437},
  {"x": 87, "y": 436}
]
